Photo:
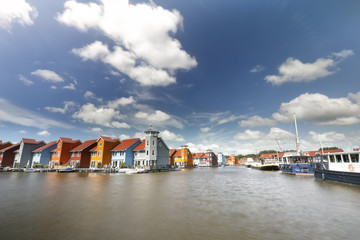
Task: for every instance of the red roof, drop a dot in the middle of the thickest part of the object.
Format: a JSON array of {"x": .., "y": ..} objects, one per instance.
[
  {"x": 171, "y": 153},
  {"x": 178, "y": 153},
  {"x": 270, "y": 155},
  {"x": 68, "y": 140},
  {"x": 313, "y": 153},
  {"x": 141, "y": 146},
  {"x": 198, "y": 155},
  {"x": 45, "y": 146},
  {"x": 84, "y": 145},
  {"x": 108, "y": 139},
  {"x": 10, "y": 147},
  {"x": 125, "y": 144}
]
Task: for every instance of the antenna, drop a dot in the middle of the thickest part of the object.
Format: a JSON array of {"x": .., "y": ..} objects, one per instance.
[
  {"x": 321, "y": 146},
  {"x": 297, "y": 136},
  {"x": 278, "y": 144}
]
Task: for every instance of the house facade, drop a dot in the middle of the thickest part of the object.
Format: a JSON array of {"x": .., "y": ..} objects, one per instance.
[
  {"x": 42, "y": 155},
  {"x": 7, "y": 155},
  {"x": 101, "y": 153},
  {"x": 221, "y": 159},
  {"x": 152, "y": 153},
  {"x": 23, "y": 156},
  {"x": 232, "y": 160},
  {"x": 80, "y": 155},
  {"x": 172, "y": 157},
  {"x": 197, "y": 158},
  {"x": 209, "y": 159},
  {"x": 61, "y": 154},
  {"x": 123, "y": 153},
  {"x": 183, "y": 157}
]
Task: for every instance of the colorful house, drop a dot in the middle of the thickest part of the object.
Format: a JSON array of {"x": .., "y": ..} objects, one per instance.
[
  {"x": 152, "y": 153},
  {"x": 197, "y": 158},
  {"x": 80, "y": 155},
  {"x": 101, "y": 153},
  {"x": 123, "y": 153},
  {"x": 232, "y": 160},
  {"x": 209, "y": 159},
  {"x": 61, "y": 154},
  {"x": 5, "y": 144},
  {"x": 183, "y": 157},
  {"x": 23, "y": 156},
  {"x": 172, "y": 157},
  {"x": 42, "y": 155},
  {"x": 221, "y": 159},
  {"x": 7, "y": 155}
]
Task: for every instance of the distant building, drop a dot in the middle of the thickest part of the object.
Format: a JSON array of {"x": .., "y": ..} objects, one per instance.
[
  {"x": 172, "y": 157},
  {"x": 101, "y": 153},
  {"x": 42, "y": 155},
  {"x": 61, "y": 154},
  {"x": 221, "y": 159},
  {"x": 80, "y": 155},
  {"x": 232, "y": 160},
  {"x": 152, "y": 153},
  {"x": 209, "y": 159},
  {"x": 123, "y": 153},
  {"x": 197, "y": 158},
  {"x": 183, "y": 157},
  {"x": 7, "y": 155},
  {"x": 23, "y": 156}
]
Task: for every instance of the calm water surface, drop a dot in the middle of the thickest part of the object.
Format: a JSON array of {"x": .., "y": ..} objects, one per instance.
[{"x": 204, "y": 203}]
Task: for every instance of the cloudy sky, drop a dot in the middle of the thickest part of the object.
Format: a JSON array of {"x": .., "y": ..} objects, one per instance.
[{"x": 225, "y": 75}]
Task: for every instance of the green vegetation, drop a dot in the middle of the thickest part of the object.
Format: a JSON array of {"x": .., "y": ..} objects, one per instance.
[{"x": 329, "y": 148}]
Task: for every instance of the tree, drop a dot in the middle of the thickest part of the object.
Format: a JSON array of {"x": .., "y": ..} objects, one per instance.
[{"x": 328, "y": 148}]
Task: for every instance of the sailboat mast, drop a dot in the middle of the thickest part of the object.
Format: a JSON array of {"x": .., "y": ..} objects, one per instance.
[{"x": 297, "y": 136}]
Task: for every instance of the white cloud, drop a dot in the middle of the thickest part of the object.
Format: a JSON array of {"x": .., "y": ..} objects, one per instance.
[
  {"x": 68, "y": 105},
  {"x": 103, "y": 116},
  {"x": 71, "y": 86},
  {"x": 123, "y": 136},
  {"x": 256, "y": 121},
  {"x": 140, "y": 135},
  {"x": 170, "y": 136},
  {"x": 320, "y": 108},
  {"x": 231, "y": 118},
  {"x": 158, "y": 116},
  {"x": 48, "y": 75},
  {"x": 249, "y": 135},
  {"x": 26, "y": 81},
  {"x": 17, "y": 115},
  {"x": 16, "y": 11},
  {"x": 145, "y": 49},
  {"x": 44, "y": 133},
  {"x": 96, "y": 129},
  {"x": 257, "y": 68},
  {"x": 205, "y": 129},
  {"x": 293, "y": 70},
  {"x": 91, "y": 95},
  {"x": 53, "y": 87},
  {"x": 121, "y": 102},
  {"x": 22, "y": 131},
  {"x": 327, "y": 138}
]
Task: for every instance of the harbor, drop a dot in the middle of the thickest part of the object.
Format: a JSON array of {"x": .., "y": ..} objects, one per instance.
[{"x": 199, "y": 203}]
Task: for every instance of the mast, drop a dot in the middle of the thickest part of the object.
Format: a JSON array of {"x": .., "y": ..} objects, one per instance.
[{"x": 297, "y": 136}]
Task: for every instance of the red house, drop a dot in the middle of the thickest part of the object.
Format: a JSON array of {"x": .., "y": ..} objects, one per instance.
[
  {"x": 80, "y": 156},
  {"x": 7, "y": 155}
]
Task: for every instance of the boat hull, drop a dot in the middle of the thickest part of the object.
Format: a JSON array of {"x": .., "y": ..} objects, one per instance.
[
  {"x": 266, "y": 167},
  {"x": 299, "y": 169},
  {"x": 337, "y": 176}
]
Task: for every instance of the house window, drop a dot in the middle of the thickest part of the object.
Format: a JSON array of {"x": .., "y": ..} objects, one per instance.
[
  {"x": 153, "y": 152},
  {"x": 59, "y": 145},
  {"x": 147, "y": 152},
  {"x": 147, "y": 142},
  {"x": 98, "y": 164},
  {"x": 99, "y": 153},
  {"x": 100, "y": 144},
  {"x": 113, "y": 154},
  {"x": 153, "y": 142},
  {"x": 93, "y": 154},
  {"x": 78, "y": 154},
  {"x": 73, "y": 155},
  {"x": 92, "y": 164},
  {"x": 58, "y": 153},
  {"x": 122, "y": 153}
]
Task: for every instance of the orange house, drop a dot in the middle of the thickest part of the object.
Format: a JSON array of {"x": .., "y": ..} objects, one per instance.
[
  {"x": 61, "y": 154},
  {"x": 232, "y": 160},
  {"x": 101, "y": 153}
]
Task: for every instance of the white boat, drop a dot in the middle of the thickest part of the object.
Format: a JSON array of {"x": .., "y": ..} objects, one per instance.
[
  {"x": 266, "y": 165},
  {"x": 248, "y": 162},
  {"x": 29, "y": 170},
  {"x": 124, "y": 170},
  {"x": 339, "y": 167}
]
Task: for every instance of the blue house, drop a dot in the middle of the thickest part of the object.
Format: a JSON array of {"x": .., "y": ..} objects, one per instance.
[
  {"x": 221, "y": 159},
  {"x": 42, "y": 155},
  {"x": 124, "y": 153}
]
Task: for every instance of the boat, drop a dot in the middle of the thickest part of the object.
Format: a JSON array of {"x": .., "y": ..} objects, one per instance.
[
  {"x": 266, "y": 165},
  {"x": 248, "y": 162},
  {"x": 296, "y": 163},
  {"x": 341, "y": 167},
  {"x": 29, "y": 170},
  {"x": 66, "y": 170}
]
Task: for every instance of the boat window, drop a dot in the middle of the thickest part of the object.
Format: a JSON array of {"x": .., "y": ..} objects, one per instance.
[
  {"x": 338, "y": 158},
  {"x": 354, "y": 158},
  {"x": 346, "y": 158}
]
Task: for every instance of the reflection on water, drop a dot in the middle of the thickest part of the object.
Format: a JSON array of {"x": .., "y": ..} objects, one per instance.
[{"x": 206, "y": 203}]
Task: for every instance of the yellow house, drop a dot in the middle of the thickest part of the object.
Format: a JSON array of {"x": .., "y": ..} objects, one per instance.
[
  {"x": 183, "y": 157},
  {"x": 101, "y": 153}
]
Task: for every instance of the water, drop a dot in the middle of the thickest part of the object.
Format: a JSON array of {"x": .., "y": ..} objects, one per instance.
[{"x": 205, "y": 203}]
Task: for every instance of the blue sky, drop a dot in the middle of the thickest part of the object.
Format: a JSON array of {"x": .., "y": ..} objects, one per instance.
[{"x": 221, "y": 75}]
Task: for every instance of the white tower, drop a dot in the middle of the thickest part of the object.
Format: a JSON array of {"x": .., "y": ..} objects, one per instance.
[{"x": 151, "y": 142}]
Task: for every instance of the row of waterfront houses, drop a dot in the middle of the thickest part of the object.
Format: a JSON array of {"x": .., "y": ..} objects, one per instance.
[{"x": 149, "y": 153}]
